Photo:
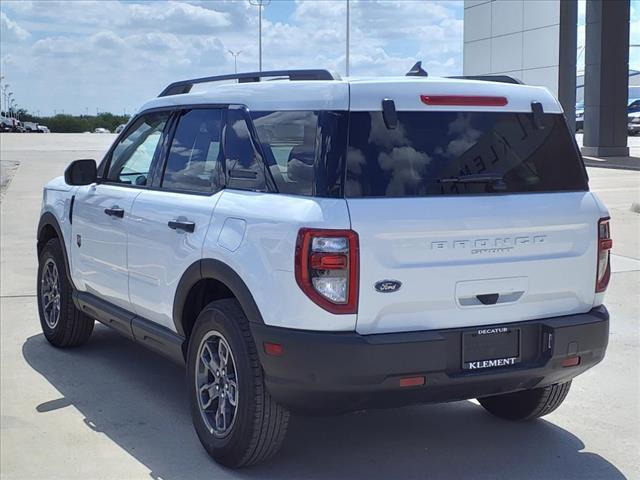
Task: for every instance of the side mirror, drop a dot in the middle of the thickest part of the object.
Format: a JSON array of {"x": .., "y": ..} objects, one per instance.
[{"x": 81, "y": 172}]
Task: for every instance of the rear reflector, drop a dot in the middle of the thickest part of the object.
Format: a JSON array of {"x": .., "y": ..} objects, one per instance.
[
  {"x": 571, "y": 362},
  {"x": 412, "y": 381},
  {"x": 274, "y": 349},
  {"x": 464, "y": 100}
]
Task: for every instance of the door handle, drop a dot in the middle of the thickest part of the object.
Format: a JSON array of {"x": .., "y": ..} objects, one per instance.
[
  {"x": 182, "y": 225},
  {"x": 114, "y": 211}
]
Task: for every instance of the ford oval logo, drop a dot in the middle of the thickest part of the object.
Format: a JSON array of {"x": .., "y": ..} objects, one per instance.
[{"x": 388, "y": 286}]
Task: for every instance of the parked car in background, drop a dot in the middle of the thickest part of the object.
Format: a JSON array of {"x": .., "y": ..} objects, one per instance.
[
  {"x": 43, "y": 129},
  {"x": 633, "y": 123},
  {"x": 579, "y": 117},
  {"x": 6, "y": 124},
  {"x": 102, "y": 130},
  {"x": 120, "y": 127},
  {"x": 31, "y": 127}
]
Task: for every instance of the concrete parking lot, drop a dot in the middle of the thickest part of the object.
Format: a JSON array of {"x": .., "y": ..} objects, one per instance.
[{"x": 112, "y": 410}]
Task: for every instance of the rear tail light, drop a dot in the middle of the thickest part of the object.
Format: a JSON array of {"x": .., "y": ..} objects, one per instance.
[
  {"x": 327, "y": 268},
  {"x": 603, "y": 272}
]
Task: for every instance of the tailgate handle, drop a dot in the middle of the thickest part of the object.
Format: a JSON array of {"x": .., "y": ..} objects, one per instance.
[{"x": 488, "y": 298}]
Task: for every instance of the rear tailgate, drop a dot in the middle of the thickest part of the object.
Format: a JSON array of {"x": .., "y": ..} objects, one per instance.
[
  {"x": 472, "y": 202},
  {"x": 536, "y": 252}
]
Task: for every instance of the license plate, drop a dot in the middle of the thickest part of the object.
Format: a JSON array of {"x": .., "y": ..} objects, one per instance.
[{"x": 490, "y": 348}]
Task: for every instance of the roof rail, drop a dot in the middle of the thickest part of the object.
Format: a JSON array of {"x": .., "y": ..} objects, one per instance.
[
  {"x": 491, "y": 78},
  {"x": 184, "y": 86}
]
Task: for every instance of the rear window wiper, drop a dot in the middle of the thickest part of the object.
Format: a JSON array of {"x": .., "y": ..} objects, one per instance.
[{"x": 496, "y": 180}]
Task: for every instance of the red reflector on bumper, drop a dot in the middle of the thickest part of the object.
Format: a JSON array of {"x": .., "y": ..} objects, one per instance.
[
  {"x": 412, "y": 381},
  {"x": 571, "y": 362},
  {"x": 274, "y": 349}
]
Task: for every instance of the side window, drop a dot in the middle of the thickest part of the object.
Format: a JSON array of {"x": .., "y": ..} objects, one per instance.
[
  {"x": 289, "y": 138},
  {"x": 194, "y": 156},
  {"x": 243, "y": 164},
  {"x": 132, "y": 157}
]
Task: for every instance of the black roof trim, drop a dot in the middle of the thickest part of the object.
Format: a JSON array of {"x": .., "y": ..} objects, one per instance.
[
  {"x": 184, "y": 86},
  {"x": 491, "y": 78}
]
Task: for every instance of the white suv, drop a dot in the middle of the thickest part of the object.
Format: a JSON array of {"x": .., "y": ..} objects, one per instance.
[{"x": 314, "y": 244}]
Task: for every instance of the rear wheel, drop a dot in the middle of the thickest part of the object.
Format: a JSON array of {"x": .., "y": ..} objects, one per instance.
[
  {"x": 236, "y": 420},
  {"x": 62, "y": 323},
  {"x": 527, "y": 404}
]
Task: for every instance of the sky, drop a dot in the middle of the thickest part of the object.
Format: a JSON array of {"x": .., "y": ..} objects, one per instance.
[{"x": 112, "y": 55}]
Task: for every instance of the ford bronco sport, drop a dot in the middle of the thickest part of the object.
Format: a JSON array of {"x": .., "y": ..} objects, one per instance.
[{"x": 317, "y": 244}]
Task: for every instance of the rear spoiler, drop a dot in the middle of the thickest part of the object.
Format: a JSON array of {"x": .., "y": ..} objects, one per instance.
[{"x": 491, "y": 78}]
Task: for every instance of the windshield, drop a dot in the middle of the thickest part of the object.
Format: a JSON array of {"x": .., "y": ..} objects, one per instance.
[{"x": 428, "y": 147}]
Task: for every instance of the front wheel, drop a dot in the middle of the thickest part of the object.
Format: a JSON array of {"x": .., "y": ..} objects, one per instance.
[
  {"x": 236, "y": 420},
  {"x": 527, "y": 404},
  {"x": 63, "y": 324}
]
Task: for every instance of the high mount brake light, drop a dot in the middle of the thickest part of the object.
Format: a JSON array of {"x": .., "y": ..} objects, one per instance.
[
  {"x": 327, "y": 268},
  {"x": 464, "y": 100},
  {"x": 603, "y": 268}
]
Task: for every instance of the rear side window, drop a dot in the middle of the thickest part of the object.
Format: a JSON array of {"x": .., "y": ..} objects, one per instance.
[
  {"x": 288, "y": 139},
  {"x": 194, "y": 157},
  {"x": 429, "y": 147},
  {"x": 243, "y": 163}
]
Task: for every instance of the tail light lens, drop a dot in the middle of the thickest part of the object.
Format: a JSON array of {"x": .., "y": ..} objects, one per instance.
[
  {"x": 327, "y": 268},
  {"x": 603, "y": 272}
]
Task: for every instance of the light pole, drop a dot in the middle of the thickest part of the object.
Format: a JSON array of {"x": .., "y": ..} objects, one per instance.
[
  {"x": 260, "y": 4},
  {"x": 347, "y": 42},
  {"x": 235, "y": 58},
  {"x": 10, "y": 100}
]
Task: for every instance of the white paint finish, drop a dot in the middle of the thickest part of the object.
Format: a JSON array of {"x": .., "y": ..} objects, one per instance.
[
  {"x": 540, "y": 47},
  {"x": 506, "y": 52},
  {"x": 266, "y": 261},
  {"x": 56, "y": 199},
  {"x": 477, "y": 22},
  {"x": 428, "y": 244},
  {"x": 269, "y": 95},
  {"x": 158, "y": 255},
  {"x": 99, "y": 265},
  {"x": 477, "y": 57},
  {"x": 506, "y": 17},
  {"x": 232, "y": 233},
  {"x": 368, "y": 95},
  {"x": 541, "y": 13}
]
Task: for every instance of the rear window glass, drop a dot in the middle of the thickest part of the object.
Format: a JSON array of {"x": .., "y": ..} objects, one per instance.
[
  {"x": 449, "y": 153},
  {"x": 288, "y": 140}
]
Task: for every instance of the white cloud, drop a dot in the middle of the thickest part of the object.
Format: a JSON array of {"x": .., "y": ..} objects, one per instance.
[{"x": 10, "y": 31}]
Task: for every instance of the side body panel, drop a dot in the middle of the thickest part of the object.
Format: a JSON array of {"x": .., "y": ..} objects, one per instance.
[
  {"x": 158, "y": 255},
  {"x": 56, "y": 200},
  {"x": 98, "y": 243},
  {"x": 255, "y": 234}
]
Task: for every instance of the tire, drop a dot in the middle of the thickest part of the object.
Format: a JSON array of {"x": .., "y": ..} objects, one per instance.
[
  {"x": 527, "y": 404},
  {"x": 256, "y": 428},
  {"x": 72, "y": 327}
]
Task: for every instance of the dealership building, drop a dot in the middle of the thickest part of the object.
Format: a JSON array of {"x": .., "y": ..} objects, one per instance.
[{"x": 536, "y": 42}]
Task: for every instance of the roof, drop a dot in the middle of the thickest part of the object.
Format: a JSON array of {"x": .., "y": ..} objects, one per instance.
[{"x": 360, "y": 94}]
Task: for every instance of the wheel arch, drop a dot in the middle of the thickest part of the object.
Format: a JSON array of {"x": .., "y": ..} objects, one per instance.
[
  {"x": 206, "y": 280},
  {"x": 48, "y": 228}
]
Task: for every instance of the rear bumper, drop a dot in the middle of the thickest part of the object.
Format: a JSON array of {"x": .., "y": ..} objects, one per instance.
[{"x": 339, "y": 372}]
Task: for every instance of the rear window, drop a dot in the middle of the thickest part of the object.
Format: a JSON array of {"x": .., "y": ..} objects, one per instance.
[
  {"x": 288, "y": 139},
  {"x": 428, "y": 147}
]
